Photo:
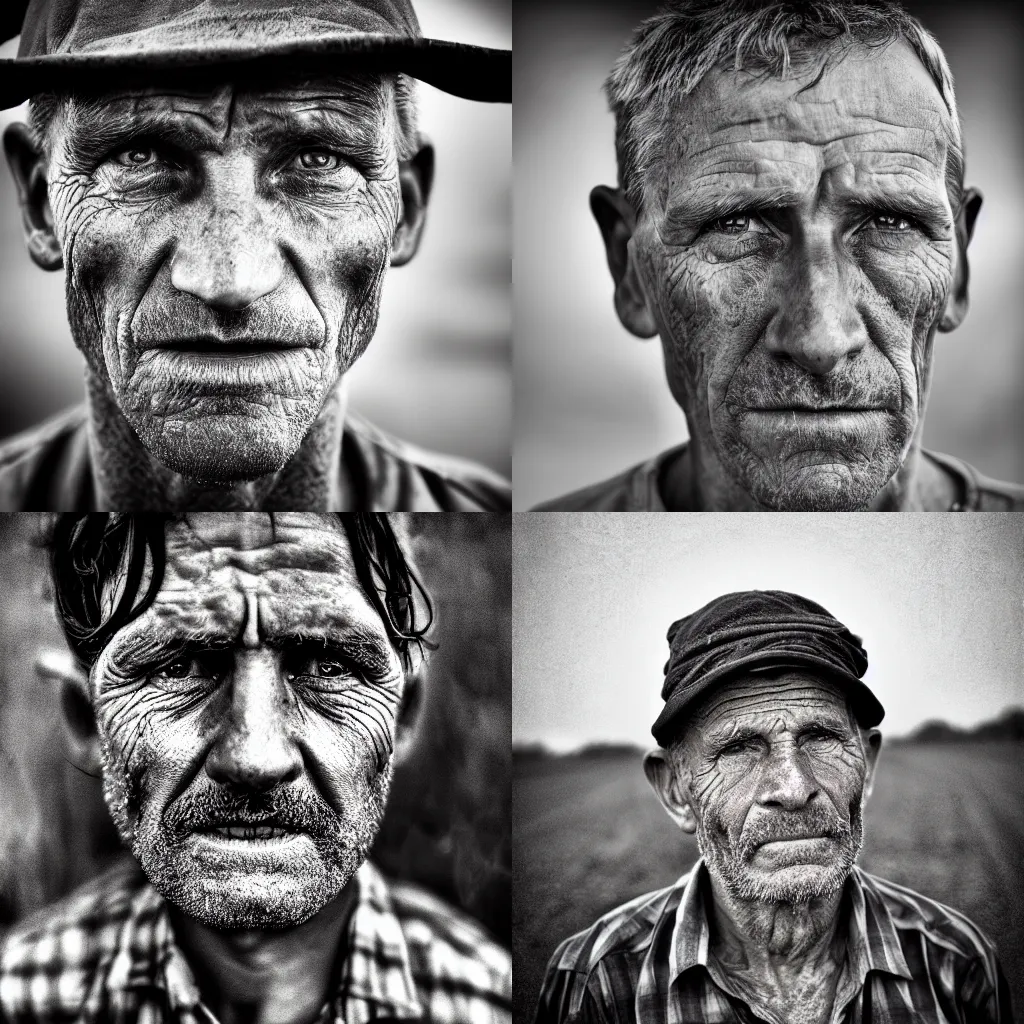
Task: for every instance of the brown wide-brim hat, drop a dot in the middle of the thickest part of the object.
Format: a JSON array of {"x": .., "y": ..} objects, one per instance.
[{"x": 69, "y": 45}]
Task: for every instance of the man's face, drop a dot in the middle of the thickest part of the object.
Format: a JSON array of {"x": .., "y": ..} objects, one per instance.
[
  {"x": 776, "y": 770},
  {"x": 796, "y": 249},
  {"x": 247, "y": 720},
  {"x": 225, "y": 253}
]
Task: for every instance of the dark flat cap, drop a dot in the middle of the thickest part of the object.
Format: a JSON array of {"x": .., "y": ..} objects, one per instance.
[
  {"x": 753, "y": 630},
  {"x": 68, "y": 44}
]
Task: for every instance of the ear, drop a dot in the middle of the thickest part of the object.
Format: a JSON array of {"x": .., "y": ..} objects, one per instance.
[
  {"x": 617, "y": 220},
  {"x": 416, "y": 177},
  {"x": 409, "y": 714},
  {"x": 957, "y": 301},
  {"x": 872, "y": 748},
  {"x": 60, "y": 670},
  {"x": 671, "y": 792},
  {"x": 28, "y": 168}
]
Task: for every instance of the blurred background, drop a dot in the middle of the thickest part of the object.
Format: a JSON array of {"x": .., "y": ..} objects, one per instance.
[
  {"x": 447, "y": 824},
  {"x": 438, "y": 372},
  {"x": 591, "y": 399},
  {"x": 939, "y": 604}
]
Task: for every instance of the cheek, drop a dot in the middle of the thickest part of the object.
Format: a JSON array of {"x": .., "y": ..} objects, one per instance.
[
  {"x": 346, "y": 276},
  {"x": 152, "y": 739},
  {"x": 710, "y": 314},
  {"x": 909, "y": 292},
  {"x": 350, "y": 739},
  {"x": 725, "y": 792}
]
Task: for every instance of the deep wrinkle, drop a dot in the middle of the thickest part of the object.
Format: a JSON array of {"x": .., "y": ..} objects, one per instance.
[
  {"x": 824, "y": 293},
  {"x": 287, "y": 706},
  {"x": 766, "y": 757},
  {"x": 188, "y": 221}
]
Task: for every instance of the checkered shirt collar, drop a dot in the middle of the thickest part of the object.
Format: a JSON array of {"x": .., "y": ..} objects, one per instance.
[
  {"x": 375, "y": 979},
  {"x": 872, "y": 944}
]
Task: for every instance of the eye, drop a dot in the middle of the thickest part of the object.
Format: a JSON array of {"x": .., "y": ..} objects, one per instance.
[
  {"x": 136, "y": 157},
  {"x": 187, "y": 671},
  {"x": 893, "y": 222},
  {"x": 320, "y": 666},
  {"x": 318, "y": 160},
  {"x": 821, "y": 736},
  {"x": 736, "y": 224},
  {"x": 743, "y": 746}
]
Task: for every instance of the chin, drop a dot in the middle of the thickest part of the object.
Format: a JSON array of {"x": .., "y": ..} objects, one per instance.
[
  {"x": 797, "y": 883},
  {"x": 820, "y": 483},
  {"x": 225, "y": 449}
]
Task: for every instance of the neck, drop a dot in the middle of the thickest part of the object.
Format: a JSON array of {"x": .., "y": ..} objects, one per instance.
[
  {"x": 129, "y": 479},
  {"x": 697, "y": 482},
  {"x": 280, "y": 976},
  {"x": 775, "y": 937}
]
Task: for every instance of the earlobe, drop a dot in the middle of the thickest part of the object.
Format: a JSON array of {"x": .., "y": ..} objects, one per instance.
[
  {"x": 59, "y": 669},
  {"x": 416, "y": 178},
  {"x": 29, "y": 172},
  {"x": 666, "y": 784},
  {"x": 616, "y": 219},
  {"x": 958, "y": 300}
]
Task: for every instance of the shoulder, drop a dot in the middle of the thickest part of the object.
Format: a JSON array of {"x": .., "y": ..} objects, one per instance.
[
  {"x": 636, "y": 489},
  {"x": 451, "y": 956},
  {"x": 395, "y": 476},
  {"x": 625, "y": 931},
  {"x": 938, "y": 924},
  {"x": 980, "y": 493},
  {"x": 48, "y": 961},
  {"x": 33, "y": 462}
]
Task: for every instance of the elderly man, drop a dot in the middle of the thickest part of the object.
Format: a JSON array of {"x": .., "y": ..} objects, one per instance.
[
  {"x": 226, "y": 184},
  {"x": 242, "y": 689},
  {"x": 792, "y": 222},
  {"x": 767, "y": 751}
]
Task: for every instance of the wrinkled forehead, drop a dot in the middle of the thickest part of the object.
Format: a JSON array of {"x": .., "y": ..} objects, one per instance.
[
  {"x": 862, "y": 93},
  {"x": 224, "y": 105},
  {"x": 771, "y": 701},
  {"x": 281, "y": 574}
]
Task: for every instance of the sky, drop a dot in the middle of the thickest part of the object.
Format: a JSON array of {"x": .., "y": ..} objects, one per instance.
[{"x": 937, "y": 599}]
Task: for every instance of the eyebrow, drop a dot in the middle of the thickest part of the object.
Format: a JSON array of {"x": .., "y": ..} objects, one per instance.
[
  {"x": 702, "y": 207},
  {"x": 725, "y": 735},
  {"x": 151, "y": 643},
  {"x": 97, "y": 129}
]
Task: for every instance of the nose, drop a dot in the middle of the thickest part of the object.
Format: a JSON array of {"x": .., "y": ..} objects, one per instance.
[
  {"x": 254, "y": 749},
  {"x": 227, "y": 255},
  {"x": 818, "y": 324},
  {"x": 788, "y": 782}
]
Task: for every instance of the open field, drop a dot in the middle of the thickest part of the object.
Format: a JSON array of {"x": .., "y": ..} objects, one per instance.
[{"x": 947, "y": 821}]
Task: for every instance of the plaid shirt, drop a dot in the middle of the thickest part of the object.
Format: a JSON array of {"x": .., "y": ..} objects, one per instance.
[
  {"x": 908, "y": 959},
  {"x": 106, "y": 955}
]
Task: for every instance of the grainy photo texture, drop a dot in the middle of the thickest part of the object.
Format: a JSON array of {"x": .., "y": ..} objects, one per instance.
[
  {"x": 806, "y": 805},
  {"x": 254, "y": 767}
]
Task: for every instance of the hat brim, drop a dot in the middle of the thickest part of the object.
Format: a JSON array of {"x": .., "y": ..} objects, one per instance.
[
  {"x": 464, "y": 70},
  {"x": 866, "y": 706}
]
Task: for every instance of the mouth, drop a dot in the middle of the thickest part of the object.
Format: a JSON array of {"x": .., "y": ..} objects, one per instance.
[
  {"x": 811, "y": 410},
  {"x": 217, "y": 348},
  {"x": 250, "y": 832},
  {"x": 241, "y": 833}
]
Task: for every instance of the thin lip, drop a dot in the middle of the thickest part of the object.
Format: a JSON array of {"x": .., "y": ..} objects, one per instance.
[
  {"x": 792, "y": 839},
  {"x": 209, "y": 344},
  {"x": 818, "y": 410},
  {"x": 236, "y": 823}
]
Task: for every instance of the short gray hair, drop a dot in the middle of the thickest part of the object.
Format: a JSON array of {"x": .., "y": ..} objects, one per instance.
[{"x": 671, "y": 53}]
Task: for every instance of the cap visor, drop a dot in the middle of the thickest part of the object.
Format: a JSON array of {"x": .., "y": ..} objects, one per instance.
[
  {"x": 866, "y": 705},
  {"x": 471, "y": 72}
]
